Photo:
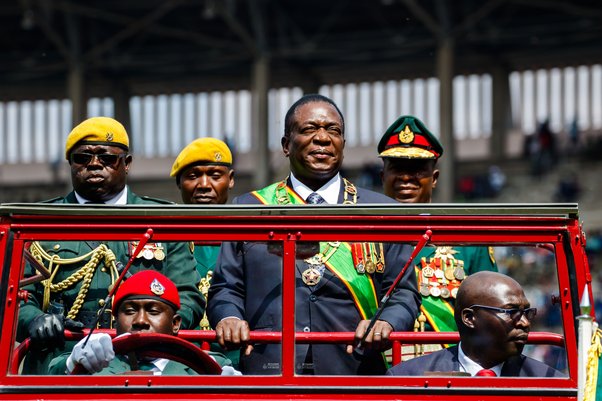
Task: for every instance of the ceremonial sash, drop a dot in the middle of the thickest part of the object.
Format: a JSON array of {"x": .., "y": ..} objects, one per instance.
[{"x": 360, "y": 286}]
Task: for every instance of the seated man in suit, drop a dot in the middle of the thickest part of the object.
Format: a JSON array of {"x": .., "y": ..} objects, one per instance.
[
  {"x": 147, "y": 302},
  {"x": 494, "y": 318}
]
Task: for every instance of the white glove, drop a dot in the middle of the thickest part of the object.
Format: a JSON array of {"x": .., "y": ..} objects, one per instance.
[
  {"x": 230, "y": 371},
  {"x": 95, "y": 357}
]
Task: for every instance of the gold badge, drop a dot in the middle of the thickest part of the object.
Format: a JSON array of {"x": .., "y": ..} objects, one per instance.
[
  {"x": 159, "y": 254},
  {"x": 157, "y": 288},
  {"x": 311, "y": 276},
  {"x": 406, "y": 135},
  {"x": 218, "y": 156},
  {"x": 109, "y": 137}
]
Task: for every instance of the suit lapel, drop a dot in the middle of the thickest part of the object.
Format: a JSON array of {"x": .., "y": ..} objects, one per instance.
[{"x": 513, "y": 366}]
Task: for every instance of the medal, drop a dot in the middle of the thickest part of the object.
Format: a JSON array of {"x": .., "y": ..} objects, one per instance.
[
  {"x": 311, "y": 276},
  {"x": 159, "y": 254},
  {"x": 380, "y": 267},
  {"x": 439, "y": 273},
  {"x": 459, "y": 273},
  {"x": 445, "y": 292},
  {"x": 424, "y": 290},
  {"x": 454, "y": 292},
  {"x": 360, "y": 268},
  {"x": 428, "y": 272},
  {"x": 147, "y": 253},
  {"x": 370, "y": 267},
  {"x": 435, "y": 291},
  {"x": 449, "y": 273}
]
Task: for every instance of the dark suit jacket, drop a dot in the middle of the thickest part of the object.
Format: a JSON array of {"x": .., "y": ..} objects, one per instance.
[
  {"x": 446, "y": 360},
  {"x": 247, "y": 284}
]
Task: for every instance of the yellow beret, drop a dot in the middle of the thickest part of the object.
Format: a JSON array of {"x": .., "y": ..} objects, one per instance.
[
  {"x": 202, "y": 151},
  {"x": 98, "y": 131}
]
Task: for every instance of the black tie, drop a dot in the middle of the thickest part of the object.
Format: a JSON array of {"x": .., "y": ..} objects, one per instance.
[{"x": 315, "y": 199}]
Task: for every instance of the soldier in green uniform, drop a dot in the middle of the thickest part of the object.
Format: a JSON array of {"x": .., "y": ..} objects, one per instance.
[
  {"x": 83, "y": 271},
  {"x": 204, "y": 175},
  {"x": 410, "y": 153}
]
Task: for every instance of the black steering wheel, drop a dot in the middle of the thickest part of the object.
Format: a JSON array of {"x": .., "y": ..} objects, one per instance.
[{"x": 154, "y": 345}]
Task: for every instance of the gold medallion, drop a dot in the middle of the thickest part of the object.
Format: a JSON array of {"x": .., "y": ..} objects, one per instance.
[
  {"x": 159, "y": 254},
  {"x": 311, "y": 276},
  {"x": 370, "y": 267},
  {"x": 449, "y": 273}
]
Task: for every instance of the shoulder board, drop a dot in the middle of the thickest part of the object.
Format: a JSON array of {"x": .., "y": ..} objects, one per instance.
[
  {"x": 157, "y": 200},
  {"x": 53, "y": 200}
]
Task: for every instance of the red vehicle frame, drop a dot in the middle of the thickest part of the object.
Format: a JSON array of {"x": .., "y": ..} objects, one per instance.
[{"x": 555, "y": 225}]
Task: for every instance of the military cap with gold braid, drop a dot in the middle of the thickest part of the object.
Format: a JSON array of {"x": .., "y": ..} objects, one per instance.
[
  {"x": 98, "y": 131},
  {"x": 202, "y": 151},
  {"x": 409, "y": 138}
]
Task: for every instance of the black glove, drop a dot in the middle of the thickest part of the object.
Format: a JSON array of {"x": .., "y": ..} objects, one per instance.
[
  {"x": 73, "y": 325},
  {"x": 46, "y": 331}
]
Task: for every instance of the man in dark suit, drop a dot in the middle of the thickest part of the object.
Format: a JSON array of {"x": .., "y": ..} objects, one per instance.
[
  {"x": 98, "y": 153},
  {"x": 337, "y": 288},
  {"x": 493, "y": 317}
]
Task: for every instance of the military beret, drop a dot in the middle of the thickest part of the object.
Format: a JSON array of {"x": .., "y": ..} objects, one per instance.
[
  {"x": 147, "y": 284},
  {"x": 409, "y": 138},
  {"x": 202, "y": 151},
  {"x": 98, "y": 131}
]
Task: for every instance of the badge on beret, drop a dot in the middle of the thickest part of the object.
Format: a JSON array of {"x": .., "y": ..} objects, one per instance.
[
  {"x": 109, "y": 137},
  {"x": 218, "y": 156},
  {"x": 406, "y": 135},
  {"x": 157, "y": 288}
]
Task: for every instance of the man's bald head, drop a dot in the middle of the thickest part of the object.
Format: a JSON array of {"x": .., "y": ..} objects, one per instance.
[
  {"x": 484, "y": 288},
  {"x": 488, "y": 335}
]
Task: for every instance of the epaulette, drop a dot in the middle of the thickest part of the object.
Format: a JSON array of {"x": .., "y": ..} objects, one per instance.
[
  {"x": 53, "y": 200},
  {"x": 157, "y": 200}
]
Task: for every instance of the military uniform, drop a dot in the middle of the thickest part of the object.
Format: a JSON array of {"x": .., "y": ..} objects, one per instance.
[
  {"x": 175, "y": 260},
  {"x": 439, "y": 273},
  {"x": 408, "y": 145}
]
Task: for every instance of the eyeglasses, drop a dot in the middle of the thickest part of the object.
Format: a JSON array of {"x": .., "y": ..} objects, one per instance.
[
  {"x": 514, "y": 314},
  {"x": 106, "y": 159}
]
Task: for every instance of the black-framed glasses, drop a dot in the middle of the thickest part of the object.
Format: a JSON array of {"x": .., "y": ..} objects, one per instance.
[
  {"x": 515, "y": 314},
  {"x": 106, "y": 159}
]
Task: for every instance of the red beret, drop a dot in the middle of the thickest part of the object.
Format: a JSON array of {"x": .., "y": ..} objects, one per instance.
[{"x": 147, "y": 284}]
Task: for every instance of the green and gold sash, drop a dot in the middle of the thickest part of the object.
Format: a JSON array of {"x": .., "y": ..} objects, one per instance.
[{"x": 360, "y": 286}]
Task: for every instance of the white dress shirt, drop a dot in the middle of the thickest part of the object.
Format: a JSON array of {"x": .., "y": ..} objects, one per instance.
[
  {"x": 470, "y": 366},
  {"x": 329, "y": 191}
]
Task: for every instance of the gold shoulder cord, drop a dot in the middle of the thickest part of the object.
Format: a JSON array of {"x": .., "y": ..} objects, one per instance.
[
  {"x": 349, "y": 190},
  {"x": 84, "y": 274}
]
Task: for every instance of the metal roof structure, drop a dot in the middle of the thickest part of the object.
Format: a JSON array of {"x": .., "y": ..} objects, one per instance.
[{"x": 167, "y": 46}]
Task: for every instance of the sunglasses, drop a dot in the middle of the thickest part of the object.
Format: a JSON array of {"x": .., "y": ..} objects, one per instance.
[
  {"x": 514, "y": 314},
  {"x": 106, "y": 159}
]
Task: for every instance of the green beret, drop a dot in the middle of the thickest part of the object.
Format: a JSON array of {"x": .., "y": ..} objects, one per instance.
[
  {"x": 409, "y": 138},
  {"x": 202, "y": 151},
  {"x": 98, "y": 131}
]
